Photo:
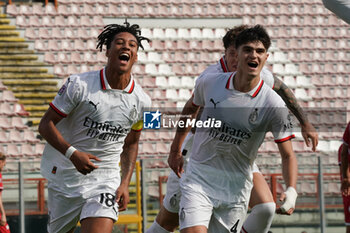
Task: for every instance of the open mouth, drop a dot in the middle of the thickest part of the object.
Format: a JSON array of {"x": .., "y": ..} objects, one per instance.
[
  {"x": 124, "y": 57},
  {"x": 253, "y": 64}
]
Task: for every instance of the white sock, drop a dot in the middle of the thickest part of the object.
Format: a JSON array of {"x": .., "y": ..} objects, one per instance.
[
  {"x": 156, "y": 228},
  {"x": 260, "y": 218}
]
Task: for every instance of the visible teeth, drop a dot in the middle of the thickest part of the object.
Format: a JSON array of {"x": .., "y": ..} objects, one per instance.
[{"x": 124, "y": 56}]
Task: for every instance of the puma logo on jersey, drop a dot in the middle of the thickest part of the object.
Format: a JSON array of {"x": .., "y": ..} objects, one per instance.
[
  {"x": 93, "y": 104},
  {"x": 211, "y": 100}
]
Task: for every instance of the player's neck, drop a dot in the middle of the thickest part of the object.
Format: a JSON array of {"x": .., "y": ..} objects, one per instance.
[
  {"x": 117, "y": 79},
  {"x": 245, "y": 83}
]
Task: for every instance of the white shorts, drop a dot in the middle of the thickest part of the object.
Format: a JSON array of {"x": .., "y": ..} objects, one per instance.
[
  {"x": 172, "y": 197},
  {"x": 197, "y": 209},
  {"x": 64, "y": 213}
]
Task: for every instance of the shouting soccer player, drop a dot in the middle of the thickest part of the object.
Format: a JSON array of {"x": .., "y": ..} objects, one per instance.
[
  {"x": 217, "y": 184},
  {"x": 94, "y": 123},
  {"x": 261, "y": 200}
]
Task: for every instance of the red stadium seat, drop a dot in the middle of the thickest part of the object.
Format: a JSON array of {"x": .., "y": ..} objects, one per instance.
[
  {"x": 25, "y": 9},
  {"x": 29, "y": 136},
  {"x": 7, "y": 96},
  {"x": 63, "y": 10},
  {"x": 13, "y": 151},
  {"x": 47, "y": 21},
  {"x": 75, "y": 9},
  {"x": 72, "y": 69},
  {"x": 53, "y": 45},
  {"x": 38, "y": 9},
  {"x": 15, "y": 136},
  {"x": 85, "y": 21},
  {"x": 88, "y": 9},
  {"x": 4, "y": 123},
  {"x": 31, "y": 33},
  {"x": 27, "y": 150},
  {"x": 66, "y": 45},
  {"x": 57, "y": 33},
  {"x": 50, "y": 58},
  {"x": 60, "y": 21},
  {"x": 39, "y": 148},
  {"x": 147, "y": 148},
  {"x": 76, "y": 57},
  {"x": 50, "y": 9},
  {"x": 11, "y": 9},
  {"x": 72, "y": 21},
  {"x": 17, "y": 122}
]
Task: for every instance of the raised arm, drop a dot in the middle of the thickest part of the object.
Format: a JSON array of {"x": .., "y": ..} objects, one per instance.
[
  {"x": 47, "y": 129},
  {"x": 290, "y": 175},
  {"x": 175, "y": 159},
  {"x": 308, "y": 131},
  {"x": 127, "y": 162}
]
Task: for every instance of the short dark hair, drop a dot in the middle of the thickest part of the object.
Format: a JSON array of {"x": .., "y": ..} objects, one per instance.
[
  {"x": 256, "y": 33},
  {"x": 109, "y": 31},
  {"x": 230, "y": 36}
]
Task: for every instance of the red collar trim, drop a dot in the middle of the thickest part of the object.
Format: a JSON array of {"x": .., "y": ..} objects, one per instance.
[
  {"x": 132, "y": 86},
  {"x": 129, "y": 89},
  {"x": 258, "y": 90},
  {"x": 228, "y": 84},
  {"x": 223, "y": 65},
  {"x": 103, "y": 84}
]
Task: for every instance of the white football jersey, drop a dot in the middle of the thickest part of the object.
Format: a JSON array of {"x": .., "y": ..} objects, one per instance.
[
  {"x": 221, "y": 67},
  {"x": 96, "y": 120},
  {"x": 223, "y": 156}
]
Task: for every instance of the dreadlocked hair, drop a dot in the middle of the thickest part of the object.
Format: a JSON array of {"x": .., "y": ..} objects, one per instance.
[{"x": 109, "y": 31}]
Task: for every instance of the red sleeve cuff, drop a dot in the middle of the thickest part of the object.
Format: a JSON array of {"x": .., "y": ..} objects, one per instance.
[
  {"x": 285, "y": 139},
  {"x": 57, "y": 111}
]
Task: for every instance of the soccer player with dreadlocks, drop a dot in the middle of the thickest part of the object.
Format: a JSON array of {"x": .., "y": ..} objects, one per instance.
[{"x": 91, "y": 127}]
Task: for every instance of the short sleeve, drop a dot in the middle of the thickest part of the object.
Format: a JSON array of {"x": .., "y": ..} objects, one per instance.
[
  {"x": 281, "y": 125},
  {"x": 68, "y": 97},
  {"x": 198, "y": 94},
  {"x": 267, "y": 76},
  {"x": 146, "y": 105}
]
